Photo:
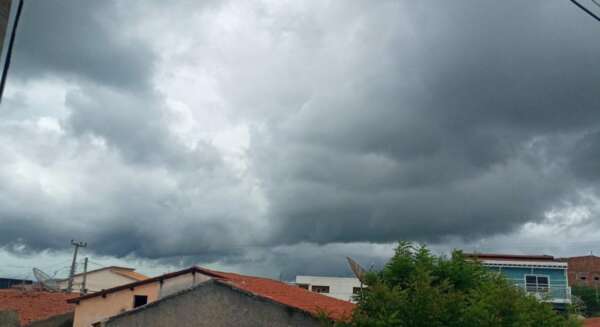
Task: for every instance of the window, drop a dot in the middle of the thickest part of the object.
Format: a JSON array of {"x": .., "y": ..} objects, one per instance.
[
  {"x": 356, "y": 290},
  {"x": 304, "y": 286},
  {"x": 139, "y": 300},
  {"x": 535, "y": 283},
  {"x": 320, "y": 289}
]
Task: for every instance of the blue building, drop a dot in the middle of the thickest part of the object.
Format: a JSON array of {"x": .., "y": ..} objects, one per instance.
[{"x": 539, "y": 275}]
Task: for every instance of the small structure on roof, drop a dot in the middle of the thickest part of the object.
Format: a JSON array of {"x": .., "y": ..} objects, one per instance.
[
  {"x": 201, "y": 289},
  {"x": 103, "y": 278},
  {"x": 542, "y": 276},
  {"x": 343, "y": 288}
]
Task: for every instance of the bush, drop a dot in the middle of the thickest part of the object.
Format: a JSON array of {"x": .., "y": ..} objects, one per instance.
[
  {"x": 590, "y": 296},
  {"x": 416, "y": 288}
]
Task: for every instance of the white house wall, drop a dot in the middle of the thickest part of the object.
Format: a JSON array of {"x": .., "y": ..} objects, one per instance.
[{"x": 339, "y": 287}]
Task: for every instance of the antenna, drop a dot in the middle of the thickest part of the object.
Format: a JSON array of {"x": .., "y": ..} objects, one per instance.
[
  {"x": 357, "y": 269},
  {"x": 45, "y": 280}
]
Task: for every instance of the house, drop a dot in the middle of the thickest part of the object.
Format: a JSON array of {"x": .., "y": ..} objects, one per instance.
[
  {"x": 542, "y": 276},
  {"x": 103, "y": 278},
  {"x": 583, "y": 270},
  {"x": 36, "y": 306},
  {"x": 182, "y": 289},
  {"x": 343, "y": 288}
]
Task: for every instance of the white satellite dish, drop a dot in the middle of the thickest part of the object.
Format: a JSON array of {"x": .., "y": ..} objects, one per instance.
[
  {"x": 357, "y": 269},
  {"x": 45, "y": 280}
]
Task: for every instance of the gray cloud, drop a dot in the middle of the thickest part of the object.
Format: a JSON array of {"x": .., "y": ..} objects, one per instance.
[
  {"x": 438, "y": 130},
  {"x": 367, "y": 123},
  {"x": 84, "y": 39}
]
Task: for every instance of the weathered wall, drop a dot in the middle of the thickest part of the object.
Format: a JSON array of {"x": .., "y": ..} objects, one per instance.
[
  {"x": 65, "y": 320},
  {"x": 98, "y": 308},
  {"x": 9, "y": 319},
  {"x": 97, "y": 280},
  {"x": 179, "y": 283},
  {"x": 213, "y": 304},
  {"x": 584, "y": 271},
  {"x": 91, "y": 310}
]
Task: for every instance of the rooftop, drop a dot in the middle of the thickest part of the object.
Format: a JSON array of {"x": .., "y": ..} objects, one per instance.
[
  {"x": 35, "y": 305},
  {"x": 521, "y": 257},
  {"x": 283, "y": 293}
]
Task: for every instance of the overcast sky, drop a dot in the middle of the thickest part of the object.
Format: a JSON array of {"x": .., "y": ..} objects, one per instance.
[{"x": 277, "y": 137}]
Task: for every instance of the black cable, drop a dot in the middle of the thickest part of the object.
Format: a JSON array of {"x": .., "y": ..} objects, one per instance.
[
  {"x": 589, "y": 12},
  {"x": 10, "y": 47}
]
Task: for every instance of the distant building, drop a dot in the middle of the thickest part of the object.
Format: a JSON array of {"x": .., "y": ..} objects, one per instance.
[
  {"x": 103, "y": 278},
  {"x": 343, "y": 288},
  {"x": 583, "y": 270},
  {"x": 10, "y": 282},
  {"x": 201, "y": 297},
  {"x": 539, "y": 275}
]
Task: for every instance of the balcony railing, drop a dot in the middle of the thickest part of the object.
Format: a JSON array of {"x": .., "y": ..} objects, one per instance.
[{"x": 553, "y": 292}]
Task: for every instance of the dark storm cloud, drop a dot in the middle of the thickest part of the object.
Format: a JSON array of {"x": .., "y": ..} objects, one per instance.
[
  {"x": 111, "y": 172},
  {"x": 83, "y": 39},
  {"x": 369, "y": 122},
  {"x": 440, "y": 130}
]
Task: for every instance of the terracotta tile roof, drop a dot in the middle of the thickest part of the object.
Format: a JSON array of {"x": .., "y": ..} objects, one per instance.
[
  {"x": 131, "y": 274},
  {"x": 290, "y": 295},
  {"x": 35, "y": 305}
]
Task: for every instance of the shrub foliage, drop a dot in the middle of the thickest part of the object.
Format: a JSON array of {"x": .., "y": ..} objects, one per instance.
[{"x": 417, "y": 288}]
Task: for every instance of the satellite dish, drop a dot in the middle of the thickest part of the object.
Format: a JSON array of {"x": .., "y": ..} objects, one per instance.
[
  {"x": 358, "y": 271},
  {"x": 45, "y": 280}
]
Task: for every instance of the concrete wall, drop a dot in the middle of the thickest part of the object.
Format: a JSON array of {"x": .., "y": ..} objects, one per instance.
[
  {"x": 9, "y": 319},
  {"x": 97, "y": 281},
  {"x": 65, "y": 320},
  {"x": 98, "y": 308},
  {"x": 94, "y": 309},
  {"x": 339, "y": 287},
  {"x": 213, "y": 304},
  {"x": 179, "y": 283}
]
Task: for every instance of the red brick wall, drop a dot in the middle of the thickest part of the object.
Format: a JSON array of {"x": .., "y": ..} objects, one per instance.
[{"x": 584, "y": 271}]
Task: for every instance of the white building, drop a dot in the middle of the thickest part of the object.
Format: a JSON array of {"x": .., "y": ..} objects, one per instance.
[{"x": 342, "y": 288}]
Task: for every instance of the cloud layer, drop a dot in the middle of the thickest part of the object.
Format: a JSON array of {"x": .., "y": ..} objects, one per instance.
[{"x": 256, "y": 134}]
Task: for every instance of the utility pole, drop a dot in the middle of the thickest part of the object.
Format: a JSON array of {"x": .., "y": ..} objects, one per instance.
[
  {"x": 77, "y": 245},
  {"x": 83, "y": 286}
]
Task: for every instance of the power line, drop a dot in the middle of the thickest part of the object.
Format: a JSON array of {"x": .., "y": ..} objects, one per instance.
[
  {"x": 10, "y": 47},
  {"x": 589, "y": 12}
]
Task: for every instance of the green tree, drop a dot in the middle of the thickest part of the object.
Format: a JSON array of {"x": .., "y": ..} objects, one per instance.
[
  {"x": 417, "y": 288},
  {"x": 590, "y": 296}
]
